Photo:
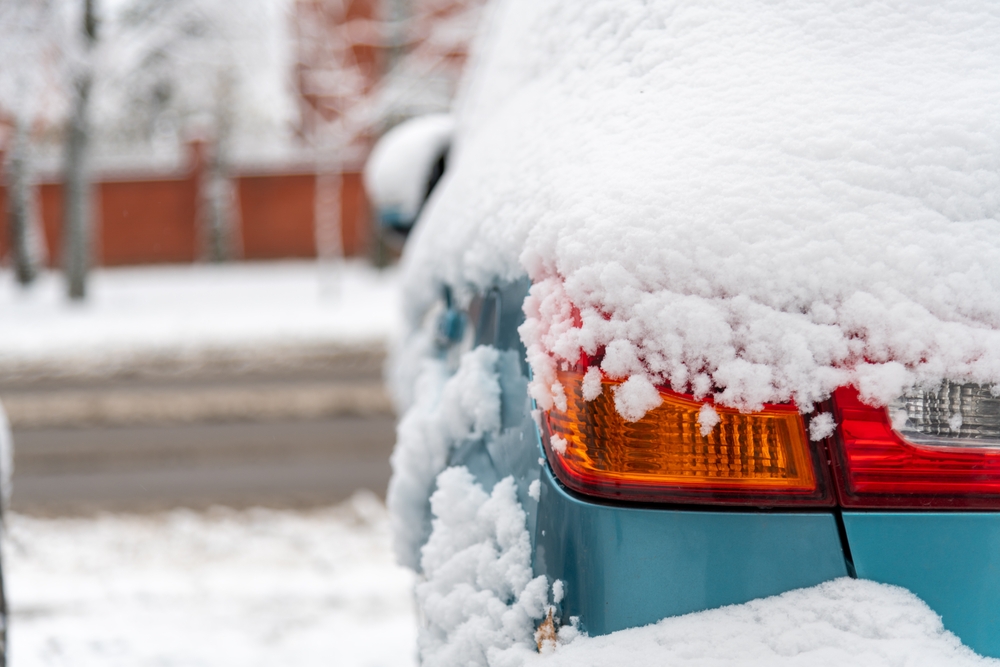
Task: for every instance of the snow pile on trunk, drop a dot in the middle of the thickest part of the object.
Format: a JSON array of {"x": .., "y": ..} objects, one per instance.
[
  {"x": 447, "y": 410},
  {"x": 838, "y": 623},
  {"x": 480, "y": 602},
  {"x": 756, "y": 200}
]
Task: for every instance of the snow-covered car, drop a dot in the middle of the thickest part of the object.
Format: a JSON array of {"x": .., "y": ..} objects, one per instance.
[{"x": 706, "y": 310}]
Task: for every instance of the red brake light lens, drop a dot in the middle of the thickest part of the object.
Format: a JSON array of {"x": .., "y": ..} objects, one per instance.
[
  {"x": 763, "y": 459},
  {"x": 943, "y": 451}
]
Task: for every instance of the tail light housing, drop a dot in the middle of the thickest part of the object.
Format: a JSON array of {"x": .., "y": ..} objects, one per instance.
[
  {"x": 937, "y": 448},
  {"x": 763, "y": 458},
  {"x": 933, "y": 449}
]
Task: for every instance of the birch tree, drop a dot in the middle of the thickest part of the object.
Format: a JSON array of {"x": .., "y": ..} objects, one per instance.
[
  {"x": 215, "y": 70},
  {"x": 77, "y": 213},
  {"x": 26, "y": 40}
]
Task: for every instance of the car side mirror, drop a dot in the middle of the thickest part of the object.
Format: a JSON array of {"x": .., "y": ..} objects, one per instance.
[{"x": 405, "y": 165}]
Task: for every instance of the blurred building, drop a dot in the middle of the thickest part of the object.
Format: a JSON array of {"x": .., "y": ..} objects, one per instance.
[{"x": 285, "y": 126}]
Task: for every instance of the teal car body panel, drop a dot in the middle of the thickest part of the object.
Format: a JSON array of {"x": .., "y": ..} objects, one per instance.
[
  {"x": 950, "y": 560},
  {"x": 625, "y": 567}
]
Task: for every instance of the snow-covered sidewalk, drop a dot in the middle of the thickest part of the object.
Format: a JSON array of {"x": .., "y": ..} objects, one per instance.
[
  {"x": 256, "y": 587},
  {"x": 192, "y": 312}
]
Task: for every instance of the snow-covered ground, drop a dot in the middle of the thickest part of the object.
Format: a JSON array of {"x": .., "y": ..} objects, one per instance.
[
  {"x": 188, "y": 310},
  {"x": 257, "y": 587},
  {"x": 836, "y": 624},
  {"x": 265, "y": 587}
]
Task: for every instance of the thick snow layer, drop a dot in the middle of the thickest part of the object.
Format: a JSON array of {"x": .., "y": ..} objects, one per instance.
[
  {"x": 448, "y": 408},
  {"x": 399, "y": 169},
  {"x": 222, "y": 588},
  {"x": 760, "y": 200},
  {"x": 187, "y": 309},
  {"x": 480, "y": 602},
  {"x": 839, "y": 623}
]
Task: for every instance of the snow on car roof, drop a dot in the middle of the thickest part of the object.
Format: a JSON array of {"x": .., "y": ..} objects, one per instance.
[{"x": 760, "y": 201}]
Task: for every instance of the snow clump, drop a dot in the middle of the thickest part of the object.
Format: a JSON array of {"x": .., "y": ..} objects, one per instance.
[
  {"x": 759, "y": 201},
  {"x": 480, "y": 602},
  {"x": 708, "y": 418},
  {"x": 821, "y": 426},
  {"x": 446, "y": 410}
]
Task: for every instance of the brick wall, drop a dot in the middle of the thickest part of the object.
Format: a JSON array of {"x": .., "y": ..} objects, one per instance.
[{"x": 155, "y": 219}]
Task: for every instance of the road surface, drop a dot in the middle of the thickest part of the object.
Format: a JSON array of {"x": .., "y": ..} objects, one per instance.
[{"x": 272, "y": 436}]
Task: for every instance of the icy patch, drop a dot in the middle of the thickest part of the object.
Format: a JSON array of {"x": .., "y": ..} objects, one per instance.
[
  {"x": 759, "y": 200},
  {"x": 838, "y": 623},
  {"x": 480, "y": 602},
  {"x": 447, "y": 409}
]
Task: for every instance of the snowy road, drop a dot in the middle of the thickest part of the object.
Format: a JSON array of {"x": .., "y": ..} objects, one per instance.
[
  {"x": 288, "y": 439},
  {"x": 303, "y": 463},
  {"x": 239, "y": 384}
]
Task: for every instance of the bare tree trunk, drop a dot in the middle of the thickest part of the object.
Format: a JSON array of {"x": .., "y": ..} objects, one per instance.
[
  {"x": 77, "y": 185},
  {"x": 328, "y": 228},
  {"x": 26, "y": 241},
  {"x": 219, "y": 204}
]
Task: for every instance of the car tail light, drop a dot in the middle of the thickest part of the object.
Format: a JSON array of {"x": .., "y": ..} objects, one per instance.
[
  {"x": 935, "y": 448},
  {"x": 763, "y": 458}
]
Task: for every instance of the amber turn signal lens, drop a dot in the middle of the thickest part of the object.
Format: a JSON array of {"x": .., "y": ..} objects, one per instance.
[{"x": 761, "y": 458}]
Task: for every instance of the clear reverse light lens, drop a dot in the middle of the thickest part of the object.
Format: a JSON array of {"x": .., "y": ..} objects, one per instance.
[{"x": 952, "y": 415}]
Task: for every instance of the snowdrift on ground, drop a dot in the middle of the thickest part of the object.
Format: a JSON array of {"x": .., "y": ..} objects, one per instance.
[
  {"x": 757, "y": 200},
  {"x": 839, "y": 623}
]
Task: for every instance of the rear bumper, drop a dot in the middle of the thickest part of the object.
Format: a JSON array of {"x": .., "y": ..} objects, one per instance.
[
  {"x": 950, "y": 560},
  {"x": 626, "y": 567}
]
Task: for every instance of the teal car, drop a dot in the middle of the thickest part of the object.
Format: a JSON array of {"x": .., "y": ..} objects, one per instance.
[
  {"x": 911, "y": 504},
  {"x": 804, "y": 173}
]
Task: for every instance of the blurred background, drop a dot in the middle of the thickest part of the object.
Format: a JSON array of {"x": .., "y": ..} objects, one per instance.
[{"x": 195, "y": 303}]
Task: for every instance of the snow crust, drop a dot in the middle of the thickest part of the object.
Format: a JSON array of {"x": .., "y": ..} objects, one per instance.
[
  {"x": 480, "y": 602},
  {"x": 399, "y": 168},
  {"x": 448, "y": 408},
  {"x": 761, "y": 201},
  {"x": 841, "y": 622}
]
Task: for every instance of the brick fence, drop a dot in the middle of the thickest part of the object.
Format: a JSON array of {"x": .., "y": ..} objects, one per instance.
[{"x": 154, "y": 218}]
